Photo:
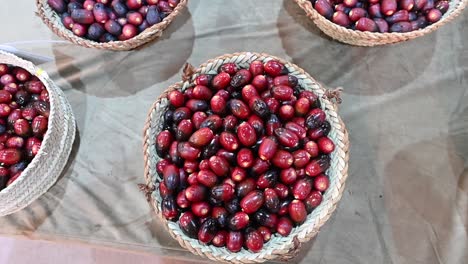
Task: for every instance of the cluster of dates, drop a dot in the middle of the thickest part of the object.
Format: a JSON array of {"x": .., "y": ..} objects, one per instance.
[
  {"x": 244, "y": 155},
  {"x": 24, "y": 113},
  {"x": 111, "y": 20},
  {"x": 382, "y": 15}
]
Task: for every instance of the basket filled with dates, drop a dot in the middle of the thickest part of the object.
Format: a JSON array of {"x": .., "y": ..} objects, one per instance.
[
  {"x": 379, "y": 22},
  {"x": 245, "y": 159},
  {"x": 109, "y": 24},
  {"x": 37, "y": 130}
]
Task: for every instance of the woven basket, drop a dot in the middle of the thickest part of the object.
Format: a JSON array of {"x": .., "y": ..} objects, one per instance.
[
  {"x": 360, "y": 38},
  {"x": 53, "y": 21},
  {"x": 47, "y": 165},
  {"x": 278, "y": 246}
]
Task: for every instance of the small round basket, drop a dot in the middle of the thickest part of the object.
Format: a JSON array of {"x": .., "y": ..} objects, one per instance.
[
  {"x": 53, "y": 21},
  {"x": 47, "y": 165},
  {"x": 278, "y": 247},
  {"x": 361, "y": 38}
]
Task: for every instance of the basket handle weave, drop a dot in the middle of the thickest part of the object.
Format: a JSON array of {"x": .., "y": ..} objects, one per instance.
[
  {"x": 334, "y": 95},
  {"x": 147, "y": 190},
  {"x": 294, "y": 251},
  {"x": 187, "y": 72}
]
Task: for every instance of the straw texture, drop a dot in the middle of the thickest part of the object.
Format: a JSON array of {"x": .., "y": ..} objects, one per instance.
[
  {"x": 361, "y": 38},
  {"x": 47, "y": 165},
  {"x": 278, "y": 247},
  {"x": 53, "y": 21}
]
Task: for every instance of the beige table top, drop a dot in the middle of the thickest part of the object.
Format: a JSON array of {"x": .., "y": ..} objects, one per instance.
[{"x": 405, "y": 105}]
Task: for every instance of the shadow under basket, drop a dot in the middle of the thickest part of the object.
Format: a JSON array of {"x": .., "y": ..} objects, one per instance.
[
  {"x": 47, "y": 165},
  {"x": 278, "y": 247},
  {"x": 361, "y": 38},
  {"x": 53, "y": 21}
]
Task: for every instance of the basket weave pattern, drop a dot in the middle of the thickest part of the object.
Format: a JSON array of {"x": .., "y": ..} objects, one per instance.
[
  {"x": 278, "y": 246},
  {"x": 53, "y": 21},
  {"x": 47, "y": 165},
  {"x": 361, "y": 38}
]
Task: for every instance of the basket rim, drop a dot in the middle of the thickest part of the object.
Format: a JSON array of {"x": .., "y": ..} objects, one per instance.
[
  {"x": 317, "y": 18},
  {"x": 140, "y": 39},
  {"x": 184, "y": 240}
]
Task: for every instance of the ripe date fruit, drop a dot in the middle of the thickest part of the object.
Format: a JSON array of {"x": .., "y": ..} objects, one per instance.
[
  {"x": 252, "y": 202},
  {"x": 234, "y": 241},
  {"x": 189, "y": 224},
  {"x": 254, "y": 241}
]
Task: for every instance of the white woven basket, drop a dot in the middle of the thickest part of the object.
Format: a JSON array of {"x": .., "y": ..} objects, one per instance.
[
  {"x": 47, "y": 165},
  {"x": 278, "y": 247}
]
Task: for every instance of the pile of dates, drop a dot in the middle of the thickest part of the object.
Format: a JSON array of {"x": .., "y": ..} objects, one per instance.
[
  {"x": 111, "y": 20},
  {"x": 24, "y": 113},
  {"x": 244, "y": 155},
  {"x": 382, "y": 15}
]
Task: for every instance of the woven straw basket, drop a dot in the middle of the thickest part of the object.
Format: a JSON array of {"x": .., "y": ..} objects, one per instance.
[
  {"x": 47, "y": 165},
  {"x": 278, "y": 247},
  {"x": 53, "y": 21},
  {"x": 360, "y": 38}
]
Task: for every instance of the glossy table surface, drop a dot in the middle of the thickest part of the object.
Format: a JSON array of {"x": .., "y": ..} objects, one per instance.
[{"x": 405, "y": 106}]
